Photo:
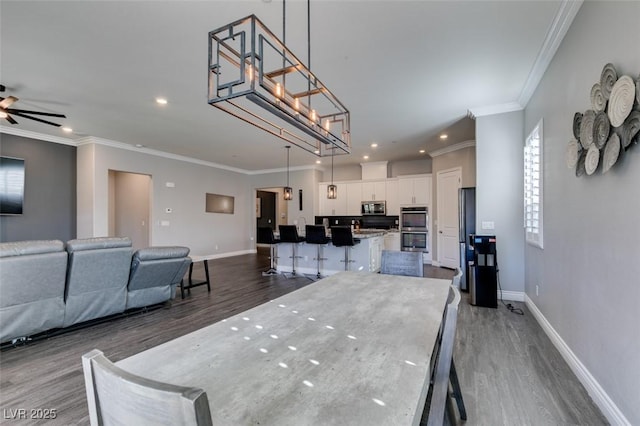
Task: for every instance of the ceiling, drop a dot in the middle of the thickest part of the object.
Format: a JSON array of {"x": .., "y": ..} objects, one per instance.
[{"x": 406, "y": 70}]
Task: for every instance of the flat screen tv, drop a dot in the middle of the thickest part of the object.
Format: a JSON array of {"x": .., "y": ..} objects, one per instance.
[{"x": 11, "y": 185}]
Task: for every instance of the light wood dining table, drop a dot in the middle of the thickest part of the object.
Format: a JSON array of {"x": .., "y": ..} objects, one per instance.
[{"x": 351, "y": 349}]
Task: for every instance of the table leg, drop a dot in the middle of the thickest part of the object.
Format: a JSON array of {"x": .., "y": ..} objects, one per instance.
[{"x": 206, "y": 273}]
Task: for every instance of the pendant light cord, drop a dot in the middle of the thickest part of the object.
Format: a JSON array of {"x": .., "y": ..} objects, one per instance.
[{"x": 288, "y": 148}]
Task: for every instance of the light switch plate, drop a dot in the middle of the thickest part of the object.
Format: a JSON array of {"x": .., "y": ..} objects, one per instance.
[{"x": 488, "y": 225}]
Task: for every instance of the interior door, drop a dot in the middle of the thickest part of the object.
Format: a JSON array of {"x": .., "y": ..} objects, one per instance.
[
  {"x": 448, "y": 183},
  {"x": 129, "y": 207}
]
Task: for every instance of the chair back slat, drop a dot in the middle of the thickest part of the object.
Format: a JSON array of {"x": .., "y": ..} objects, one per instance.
[
  {"x": 407, "y": 263},
  {"x": 117, "y": 397}
]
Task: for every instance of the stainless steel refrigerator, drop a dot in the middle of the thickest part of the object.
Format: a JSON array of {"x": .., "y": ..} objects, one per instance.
[{"x": 467, "y": 225}]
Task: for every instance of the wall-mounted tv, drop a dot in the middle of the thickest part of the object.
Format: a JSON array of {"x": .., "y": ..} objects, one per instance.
[
  {"x": 11, "y": 185},
  {"x": 217, "y": 203}
]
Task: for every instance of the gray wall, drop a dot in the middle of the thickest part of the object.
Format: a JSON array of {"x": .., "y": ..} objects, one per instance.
[
  {"x": 589, "y": 273},
  {"x": 499, "y": 184},
  {"x": 49, "y": 210}
]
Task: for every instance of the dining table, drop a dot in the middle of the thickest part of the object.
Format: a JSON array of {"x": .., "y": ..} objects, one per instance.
[{"x": 355, "y": 348}]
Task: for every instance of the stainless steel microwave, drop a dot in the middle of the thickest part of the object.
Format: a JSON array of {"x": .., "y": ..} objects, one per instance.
[{"x": 373, "y": 207}]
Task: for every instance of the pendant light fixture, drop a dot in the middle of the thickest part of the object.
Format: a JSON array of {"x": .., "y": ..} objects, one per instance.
[
  {"x": 256, "y": 78},
  {"x": 288, "y": 192},
  {"x": 332, "y": 190}
]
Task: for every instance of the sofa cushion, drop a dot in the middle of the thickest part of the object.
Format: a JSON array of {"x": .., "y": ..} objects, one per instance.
[
  {"x": 97, "y": 243},
  {"x": 21, "y": 248},
  {"x": 154, "y": 253}
]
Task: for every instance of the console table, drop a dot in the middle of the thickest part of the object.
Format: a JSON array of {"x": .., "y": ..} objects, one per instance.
[{"x": 354, "y": 348}]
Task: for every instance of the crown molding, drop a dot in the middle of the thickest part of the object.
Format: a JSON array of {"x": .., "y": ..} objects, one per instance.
[
  {"x": 452, "y": 148},
  {"x": 35, "y": 135},
  {"x": 564, "y": 18},
  {"x": 496, "y": 109},
  {"x": 561, "y": 23}
]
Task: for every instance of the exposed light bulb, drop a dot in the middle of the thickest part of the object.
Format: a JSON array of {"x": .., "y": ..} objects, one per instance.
[
  {"x": 3, "y": 114},
  {"x": 278, "y": 90}
]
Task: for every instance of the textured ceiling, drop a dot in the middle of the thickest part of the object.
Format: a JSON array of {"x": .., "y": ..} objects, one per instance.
[{"x": 406, "y": 70}]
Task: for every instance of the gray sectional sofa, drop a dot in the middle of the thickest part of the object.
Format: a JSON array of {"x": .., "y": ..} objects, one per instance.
[{"x": 46, "y": 285}]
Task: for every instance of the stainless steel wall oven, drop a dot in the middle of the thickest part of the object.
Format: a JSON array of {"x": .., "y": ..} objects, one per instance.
[{"x": 414, "y": 228}]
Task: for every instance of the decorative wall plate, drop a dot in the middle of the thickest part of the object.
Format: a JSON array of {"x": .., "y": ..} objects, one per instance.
[
  {"x": 621, "y": 100},
  {"x": 611, "y": 152},
  {"x": 598, "y": 102},
  {"x": 577, "y": 121},
  {"x": 630, "y": 128},
  {"x": 586, "y": 128},
  {"x": 592, "y": 159},
  {"x": 580, "y": 170},
  {"x": 601, "y": 129},
  {"x": 608, "y": 78},
  {"x": 572, "y": 153}
]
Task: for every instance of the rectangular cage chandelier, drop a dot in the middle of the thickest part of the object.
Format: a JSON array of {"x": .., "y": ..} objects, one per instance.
[{"x": 254, "y": 77}]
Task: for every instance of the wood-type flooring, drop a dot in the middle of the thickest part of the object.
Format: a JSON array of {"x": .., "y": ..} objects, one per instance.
[{"x": 509, "y": 371}]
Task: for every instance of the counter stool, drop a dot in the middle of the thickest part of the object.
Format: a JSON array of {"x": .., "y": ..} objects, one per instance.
[
  {"x": 289, "y": 234},
  {"x": 315, "y": 234},
  {"x": 265, "y": 236},
  {"x": 341, "y": 236}
]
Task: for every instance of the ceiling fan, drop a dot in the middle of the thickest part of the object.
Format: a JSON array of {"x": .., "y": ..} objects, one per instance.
[{"x": 6, "y": 112}]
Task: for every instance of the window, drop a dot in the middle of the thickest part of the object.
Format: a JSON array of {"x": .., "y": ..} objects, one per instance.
[{"x": 533, "y": 186}]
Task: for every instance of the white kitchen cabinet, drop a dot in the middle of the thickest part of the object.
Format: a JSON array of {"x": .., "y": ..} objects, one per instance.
[
  {"x": 414, "y": 190},
  {"x": 392, "y": 241},
  {"x": 393, "y": 201},
  {"x": 374, "y": 190},
  {"x": 354, "y": 196},
  {"x": 334, "y": 207}
]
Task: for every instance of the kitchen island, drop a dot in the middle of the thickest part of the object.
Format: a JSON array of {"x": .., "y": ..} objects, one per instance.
[{"x": 364, "y": 256}]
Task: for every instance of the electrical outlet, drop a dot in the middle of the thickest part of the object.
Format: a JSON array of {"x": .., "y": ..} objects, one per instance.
[{"x": 537, "y": 289}]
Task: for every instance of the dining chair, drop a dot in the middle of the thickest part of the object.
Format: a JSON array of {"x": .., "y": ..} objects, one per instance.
[
  {"x": 407, "y": 263},
  {"x": 117, "y": 397},
  {"x": 316, "y": 234},
  {"x": 439, "y": 400}
]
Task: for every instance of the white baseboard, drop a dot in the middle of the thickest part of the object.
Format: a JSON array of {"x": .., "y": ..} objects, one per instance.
[
  {"x": 599, "y": 396},
  {"x": 434, "y": 263},
  {"x": 516, "y": 296}
]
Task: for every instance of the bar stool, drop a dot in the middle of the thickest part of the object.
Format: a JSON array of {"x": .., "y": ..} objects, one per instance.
[
  {"x": 341, "y": 236},
  {"x": 289, "y": 234},
  {"x": 315, "y": 234},
  {"x": 265, "y": 236}
]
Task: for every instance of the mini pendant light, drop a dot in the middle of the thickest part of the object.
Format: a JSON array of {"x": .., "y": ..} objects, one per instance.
[
  {"x": 332, "y": 190},
  {"x": 288, "y": 192}
]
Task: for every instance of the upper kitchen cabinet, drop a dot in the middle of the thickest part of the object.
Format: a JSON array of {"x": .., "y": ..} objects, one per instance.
[
  {"x": 393, "y": 199},
  {"x": 375, "y": 190},
  {"x": 414, "y": 190},
  {"x": 354, "y": 196},
  {"x": 334, "y": 207}
]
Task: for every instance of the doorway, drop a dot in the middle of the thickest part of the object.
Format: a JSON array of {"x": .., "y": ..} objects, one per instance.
[
  {"x": 271, "y": 209},
  {"x": 448, "y": 182},
  {"x": 129, "y": 207}
]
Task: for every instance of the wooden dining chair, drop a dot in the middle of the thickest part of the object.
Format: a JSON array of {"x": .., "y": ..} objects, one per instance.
[
  {"x": 407, "y": 263},
  {"x": 117, "y": 397},
  {"x": 439, "y": 401}
]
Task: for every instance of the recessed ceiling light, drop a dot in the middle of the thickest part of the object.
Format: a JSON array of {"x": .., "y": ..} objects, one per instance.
[
  {"x": 139, "y": 145},
  {"x": 422, "y": 151},
  {"x": 366, "y": 157},
  {"x": 67, "y": 129},
  {"x": 374, "y": 145},
  {"x": 318, "y": 162},
  {"x": 443, "y": 136},
  {"x": 161, "y": 101},
  {"x": 317, "y": 151}
]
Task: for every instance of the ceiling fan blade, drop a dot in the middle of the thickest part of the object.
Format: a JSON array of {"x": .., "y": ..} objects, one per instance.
[
  {"x": 35, "y": 119},
  {"x": 24, "y": 111},
  {"x": 11, "y": 120},
  {"x": 6, "y": 102}
]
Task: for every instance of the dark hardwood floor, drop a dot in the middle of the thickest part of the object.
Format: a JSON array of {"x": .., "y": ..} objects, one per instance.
[{"x": 509, "y": 371}]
